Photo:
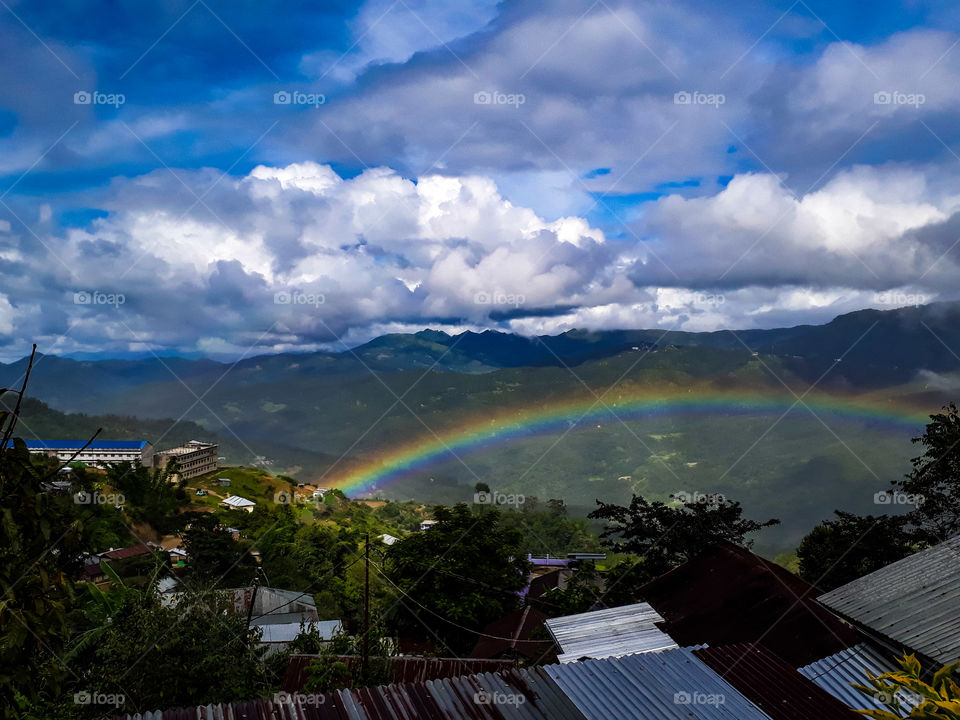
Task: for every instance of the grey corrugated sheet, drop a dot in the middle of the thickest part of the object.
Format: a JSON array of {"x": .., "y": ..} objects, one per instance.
[
  {"x": 287, "y": 632},
  {"x": 609, "y": 633},
  {"x": 913, "y": 601},
  {"x": 835, "y": 673},
  {"x": 644, "y": 686}
]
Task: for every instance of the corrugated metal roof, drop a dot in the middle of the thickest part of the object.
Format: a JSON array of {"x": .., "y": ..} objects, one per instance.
[
  {"x": 836, "y": 672},
  {"x": 402, "y": 669},
  {"x": 129, "y": 552},
  {"x": 286, "y": 632},
  {"x": 519, "y": 626},
  {"x": 913, "y": 601},
  {"x": 652, "y": 686},
  {"x": 237, "y": 501},
  {"x": 728, "y": 595},
  {"x": 779, "y": 690},
  {"x": 609, "y": 633},
  {"x": 273, "y": 618},
  {"x": 511, "y": 695}
]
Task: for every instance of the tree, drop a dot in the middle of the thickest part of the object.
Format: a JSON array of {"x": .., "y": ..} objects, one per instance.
[
  {"x": 43, "y": 538},
  {"x": 584, "y": 588},
  {"x": 851, "y": 546},
  {"x": 195, "y": 652},
  {"x": 42, "y": 542},
  {"x": 937, "y": 700},
  {"x": 547, "y": 531},
  {"x": 150, "y": 494},
  {"x": 934, "y": 482},
  {"x": 456, "y": 577},
  {"x": 329, "y": 672},
  {"x": 215, "y": 558},
  {"x": 664, "y": 536}
]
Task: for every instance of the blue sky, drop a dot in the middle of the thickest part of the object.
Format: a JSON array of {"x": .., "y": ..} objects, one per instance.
[{"x": 244, "y": 177}]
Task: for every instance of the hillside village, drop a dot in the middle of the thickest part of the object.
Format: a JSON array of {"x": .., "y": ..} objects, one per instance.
[{"x": 722, "y": 632}]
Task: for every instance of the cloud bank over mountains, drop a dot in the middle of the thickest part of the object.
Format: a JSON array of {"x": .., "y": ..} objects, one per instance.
[{"x": 527, "y": 168}]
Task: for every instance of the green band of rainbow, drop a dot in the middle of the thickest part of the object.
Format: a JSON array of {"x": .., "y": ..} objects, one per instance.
[{"x": 508, "y": 425}]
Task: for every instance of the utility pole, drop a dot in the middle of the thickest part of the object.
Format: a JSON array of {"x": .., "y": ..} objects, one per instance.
[
  {"x": 253, "y": 600},
  {"x": 366, "y": 609}
]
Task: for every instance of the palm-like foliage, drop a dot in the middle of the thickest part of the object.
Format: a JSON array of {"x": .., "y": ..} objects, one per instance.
[{"x": 937, "y": 700}]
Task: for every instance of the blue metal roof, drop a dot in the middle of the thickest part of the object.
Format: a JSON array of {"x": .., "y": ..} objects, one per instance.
[
  {"x": 667, "y": 685},
  {"x": 77, "y": 444},
  {"x": 837, "y": 673}
]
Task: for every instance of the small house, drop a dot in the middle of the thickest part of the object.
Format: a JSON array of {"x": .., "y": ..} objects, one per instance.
[{"x": 235, "y": 502}]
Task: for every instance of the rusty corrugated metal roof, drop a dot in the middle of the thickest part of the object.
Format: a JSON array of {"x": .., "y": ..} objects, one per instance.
[
  {"x": 728, "y": 595},
  {"x": 516, "y": 694},
  {"x": 512, "y": 634},
  {"x": 402, "y": 669},
  {"x": 775, "y": 687},
  {"x": 128, "y": 552}
]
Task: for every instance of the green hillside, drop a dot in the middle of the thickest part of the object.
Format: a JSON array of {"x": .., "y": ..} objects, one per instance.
[{"x": 300, "y": 414}]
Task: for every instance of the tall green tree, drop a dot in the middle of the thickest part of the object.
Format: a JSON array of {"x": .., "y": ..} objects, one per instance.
[
  {"x": 151, "y": 494},
  {"x": 194, "y": 652},
  {"x": 456, "y": 577},
  {"x": 664, "y": 536},
  {"x": 851, "y": 546},
  {"x": 215, "y": 558},
  {"x": 934, "y": 482},
  {"x": 43, "y": 538}
]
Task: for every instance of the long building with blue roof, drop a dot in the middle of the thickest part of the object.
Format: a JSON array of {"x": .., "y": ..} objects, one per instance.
[{"x": 99, "y": 453}]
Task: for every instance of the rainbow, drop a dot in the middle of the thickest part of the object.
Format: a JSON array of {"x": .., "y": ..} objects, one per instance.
[{"x": 556, "y": 418}]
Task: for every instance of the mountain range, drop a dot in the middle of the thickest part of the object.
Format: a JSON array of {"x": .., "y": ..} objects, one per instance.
[{"x": 324, "y": 415}]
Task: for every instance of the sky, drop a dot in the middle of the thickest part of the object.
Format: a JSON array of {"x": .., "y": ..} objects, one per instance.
[{"x": 213, "y": 178}]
